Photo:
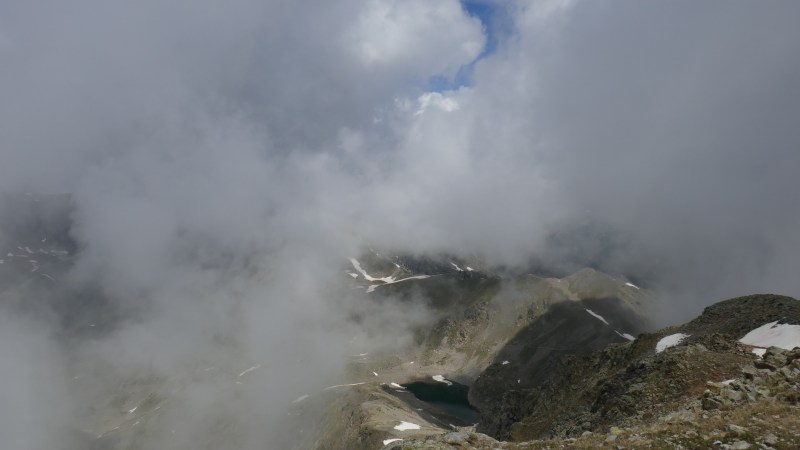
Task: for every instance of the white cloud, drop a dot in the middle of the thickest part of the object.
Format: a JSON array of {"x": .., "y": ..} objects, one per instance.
[
  {"x": 436, "y": 100},
  {"x": 538, "y": 13},
  {"x": 417, "y": 36}
]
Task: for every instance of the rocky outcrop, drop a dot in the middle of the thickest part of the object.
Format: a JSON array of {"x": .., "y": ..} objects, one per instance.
[
  {"x": 463, "y": 439},
  {"x": 776, "y": 377}
]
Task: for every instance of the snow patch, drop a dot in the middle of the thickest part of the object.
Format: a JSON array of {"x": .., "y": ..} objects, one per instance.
[
  {"x": 504, "y": 363},
  {"x": 250, "y": 370},
  {"x": 406, "y": 426},
  {"x": 670, "y": 341},
  {"x": 470, "y": 269},
  {"x": 353, "y": 274},
  {"x": 785, "y": 336},
  {"x": 625, "y": 335},
  {"x": 632, "y": 285},
  {"x": 598, "y": 316},
  {"x": 343, "y": 385},
  {"x": 368, "y": 277},
  {"x": 385, "y": 280},
  {"x": 395, "y": 385},
  {"x": 759, "y": 351},
  {"x": 300, "y": 399},
  {"x": 455, "y": 266},
  {"x": 372, "y": 287},
  {"x": 442, "y": 379},
  {"x": 375, "y": 373},
  {"x": 389, "y": 441}
]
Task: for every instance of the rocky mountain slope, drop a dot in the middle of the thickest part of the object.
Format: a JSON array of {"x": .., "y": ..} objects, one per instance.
[
  {"x": 479, "y": 311},
  {"x": 520, "y": 324},
  {"x": 697, "y": 385}
]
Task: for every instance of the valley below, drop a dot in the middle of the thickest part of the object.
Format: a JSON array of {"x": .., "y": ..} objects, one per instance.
[
  {"x": 584, "y": 368},
  {"x": 495, "y": 359}
]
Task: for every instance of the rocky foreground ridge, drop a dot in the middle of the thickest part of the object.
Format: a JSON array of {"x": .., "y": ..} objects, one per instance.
[{"x": 692, "y": 386}]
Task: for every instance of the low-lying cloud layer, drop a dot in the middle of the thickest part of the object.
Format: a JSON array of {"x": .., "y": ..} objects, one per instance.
[{"x": 225, "y": 159}]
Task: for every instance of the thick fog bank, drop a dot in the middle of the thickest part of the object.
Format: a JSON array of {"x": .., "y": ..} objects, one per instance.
[{"x": 223, "y": 161}]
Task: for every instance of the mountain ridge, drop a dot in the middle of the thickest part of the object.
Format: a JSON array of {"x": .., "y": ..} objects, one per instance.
[{"x": 635, "y": 396}]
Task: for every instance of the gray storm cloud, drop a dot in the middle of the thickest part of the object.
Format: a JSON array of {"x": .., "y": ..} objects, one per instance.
[
  {"x": 673, "y": 123},
  {"x": 225, "y": 159}
]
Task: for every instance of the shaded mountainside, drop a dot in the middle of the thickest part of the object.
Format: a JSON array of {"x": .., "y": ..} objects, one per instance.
[
  {"x": 490, "y": 320},
  {"x": 566, "y": 329}
]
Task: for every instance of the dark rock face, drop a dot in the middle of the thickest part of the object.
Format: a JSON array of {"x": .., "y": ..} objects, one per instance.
[
  {"x": 507, "y": 388},
  {"x": 629, "y": 382}
]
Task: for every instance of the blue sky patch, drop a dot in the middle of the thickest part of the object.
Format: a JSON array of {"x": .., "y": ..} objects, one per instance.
[
  {"x": 495, "y": 23},
  {"x": 490, "y": 15}
]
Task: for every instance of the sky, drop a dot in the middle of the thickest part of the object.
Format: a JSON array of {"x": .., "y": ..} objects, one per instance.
[
  {"x": 497, "y": 25},
  {"x": 225, "y": 159}
]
